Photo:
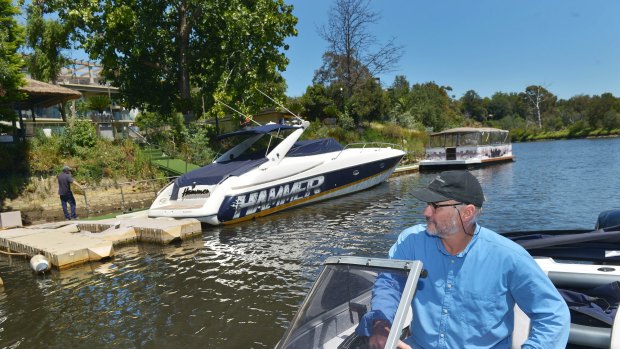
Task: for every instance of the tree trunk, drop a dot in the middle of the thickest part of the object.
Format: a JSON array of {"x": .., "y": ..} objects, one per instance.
[
  {"x": 61, "y": 109},
  {"x": 184, "y": 30},
  {"x": 22, "y": 126}
]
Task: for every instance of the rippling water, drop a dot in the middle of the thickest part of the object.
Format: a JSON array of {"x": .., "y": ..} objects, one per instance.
[{"x": 238, "y": 286}]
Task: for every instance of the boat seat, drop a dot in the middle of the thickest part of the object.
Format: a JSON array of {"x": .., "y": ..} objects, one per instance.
[{"x": 590, "y": 336}]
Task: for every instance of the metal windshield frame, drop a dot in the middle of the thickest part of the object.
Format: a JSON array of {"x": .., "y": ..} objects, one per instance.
[{"x": 415, "y": 269}]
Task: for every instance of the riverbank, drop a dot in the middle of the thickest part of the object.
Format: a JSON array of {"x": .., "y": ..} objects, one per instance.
[{"x": 39, "y": 202}]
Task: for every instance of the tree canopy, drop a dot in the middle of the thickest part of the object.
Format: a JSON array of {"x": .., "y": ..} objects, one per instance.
[
  {"x": 47, "y": 38},
  {"x": 156, "y": 51},
  {"x": 11, "y": 78}
]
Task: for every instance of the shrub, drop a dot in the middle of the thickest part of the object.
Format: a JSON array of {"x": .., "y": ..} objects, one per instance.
[
  {"x": 346, "y": 121},
  {"x": 197, "y": 149},
  {"x": 80, "y": 133}
]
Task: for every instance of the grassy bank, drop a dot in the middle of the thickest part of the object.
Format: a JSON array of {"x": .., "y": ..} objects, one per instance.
[{"x": 528, "y": 135}]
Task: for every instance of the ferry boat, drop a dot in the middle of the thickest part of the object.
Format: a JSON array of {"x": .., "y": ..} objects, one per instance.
[
  {"x": 466, "y": 147},
  {"x": 268, "y": 169}
]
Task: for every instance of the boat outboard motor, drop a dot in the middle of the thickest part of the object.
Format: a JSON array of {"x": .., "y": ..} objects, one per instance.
[{"x": 608, "y": 219}]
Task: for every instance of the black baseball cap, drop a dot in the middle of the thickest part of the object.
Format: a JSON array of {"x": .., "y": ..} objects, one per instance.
[{"x": 461, "y": 186}]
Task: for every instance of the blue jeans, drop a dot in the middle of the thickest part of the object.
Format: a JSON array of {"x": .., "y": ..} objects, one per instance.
[{"x": 68, "y": 198}]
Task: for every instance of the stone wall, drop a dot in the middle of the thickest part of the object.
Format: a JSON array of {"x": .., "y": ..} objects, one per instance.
[{"x": 40, "y": 202}]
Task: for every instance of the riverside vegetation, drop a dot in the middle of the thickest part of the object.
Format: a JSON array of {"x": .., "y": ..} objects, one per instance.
[{"x": 29, "y": 169}]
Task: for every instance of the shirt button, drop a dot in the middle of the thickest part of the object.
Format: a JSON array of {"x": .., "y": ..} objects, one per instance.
[
  {"x": 441, "y": 335},
  {"x": 452, "y": 261},
  {"x": 445, "y": 311},
  {"x": 449, "y": 285}
]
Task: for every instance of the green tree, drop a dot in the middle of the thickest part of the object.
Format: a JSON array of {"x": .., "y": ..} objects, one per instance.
[
  {"x": 432, "y": 106},
  {"x": 98, "y": 103},
  {"x": 602, "y": 110},
  {"x": 316, "y": 101},
  {"x": 156, "y": 51},
  {"x": 368, "y": 102},
  {"x": 399, "y": 97},
  {"x": 574, "y": 109},
  {"x": 198, "y": 150},
  {"x": 472, "y": 106},
  {"x": 339, "y": 70},
  {"x": 540, "y": 101},
  {"x": 46, "y": 38},
  {"x": 78, "y": 135},
  {"x": 11, "y": 78}
]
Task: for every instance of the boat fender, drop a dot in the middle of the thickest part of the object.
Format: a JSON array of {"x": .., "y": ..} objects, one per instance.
[{"x": 39, "y": 263}]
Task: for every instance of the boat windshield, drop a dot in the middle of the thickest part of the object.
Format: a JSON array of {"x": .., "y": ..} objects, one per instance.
[
  {"x": 341, "y": 296},
  {"x": 251, "y": 146}
]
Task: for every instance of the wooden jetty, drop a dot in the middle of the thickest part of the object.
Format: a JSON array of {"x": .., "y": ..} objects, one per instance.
[
  {"x": 403, "y": 170},
  {"x": 70, "y": 243}
]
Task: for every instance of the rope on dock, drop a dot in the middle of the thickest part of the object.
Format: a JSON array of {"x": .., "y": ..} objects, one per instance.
[{"x": 13, "y": 253}]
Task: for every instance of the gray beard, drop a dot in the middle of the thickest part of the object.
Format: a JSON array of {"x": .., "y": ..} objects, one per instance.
[{"x": 444, "y": 232}]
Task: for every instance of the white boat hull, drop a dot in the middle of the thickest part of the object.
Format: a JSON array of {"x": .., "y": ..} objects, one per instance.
[{"x": 294, "y": 181}]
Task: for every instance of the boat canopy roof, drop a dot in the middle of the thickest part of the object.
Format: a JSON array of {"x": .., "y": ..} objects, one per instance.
[
  {"x": 469, "y": 130},
  {"x": 469, "y": 136},
  {"x": 263, "y": 129}
]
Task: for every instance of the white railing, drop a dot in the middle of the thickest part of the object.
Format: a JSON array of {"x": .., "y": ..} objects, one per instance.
[{"x": 373, "y": 145}]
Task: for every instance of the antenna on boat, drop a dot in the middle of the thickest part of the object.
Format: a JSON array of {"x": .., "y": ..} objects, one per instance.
[
  {"x": 240, "y": 113},
  {"x": 281, "y": 106}
]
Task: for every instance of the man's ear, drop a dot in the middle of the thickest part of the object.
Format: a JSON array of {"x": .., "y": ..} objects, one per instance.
[{"x": 469, "y": 212}]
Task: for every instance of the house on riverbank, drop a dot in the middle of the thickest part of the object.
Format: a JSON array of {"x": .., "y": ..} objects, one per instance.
[{"x": 47, "y": 106}]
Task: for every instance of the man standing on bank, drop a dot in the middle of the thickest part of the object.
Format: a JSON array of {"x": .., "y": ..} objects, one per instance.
[
  {"x": 64, "y": 191},
  {"x": 475, "y": 278}
]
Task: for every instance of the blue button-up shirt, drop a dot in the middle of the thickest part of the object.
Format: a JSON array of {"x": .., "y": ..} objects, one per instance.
[{"x": 467, "y": 300}]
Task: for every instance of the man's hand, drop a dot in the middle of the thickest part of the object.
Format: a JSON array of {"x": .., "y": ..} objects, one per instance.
[{"x": 380, "y": 333}]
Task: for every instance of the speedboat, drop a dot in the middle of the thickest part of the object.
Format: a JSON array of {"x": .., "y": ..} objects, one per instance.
[
  {"x": 466, "y": 147},
  {"x": 582, "y": 264},
  {"x": 269, "y": 169}
]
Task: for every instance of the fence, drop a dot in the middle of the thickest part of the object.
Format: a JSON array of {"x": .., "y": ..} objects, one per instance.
[
  {"x": 124, "y": 196},
  {"x": 94, "y": 201}
]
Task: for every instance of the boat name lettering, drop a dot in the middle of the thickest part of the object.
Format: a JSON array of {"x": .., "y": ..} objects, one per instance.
[
  {"x": 188, "y": 191},
  {"x": 276, "y": 196}
]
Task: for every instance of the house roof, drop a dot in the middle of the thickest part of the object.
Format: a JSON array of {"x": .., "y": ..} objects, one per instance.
[{"x": 41, "y": 94}]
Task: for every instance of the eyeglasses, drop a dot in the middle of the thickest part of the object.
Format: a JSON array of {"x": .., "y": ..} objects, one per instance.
[{"x": 435, "y": 205}]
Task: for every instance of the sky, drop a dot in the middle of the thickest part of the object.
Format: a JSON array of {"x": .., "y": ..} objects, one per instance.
[{"x": 570, "y": 47}]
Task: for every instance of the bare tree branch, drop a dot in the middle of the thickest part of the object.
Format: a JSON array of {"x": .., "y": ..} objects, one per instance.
[{"x": 353, "y": 52}]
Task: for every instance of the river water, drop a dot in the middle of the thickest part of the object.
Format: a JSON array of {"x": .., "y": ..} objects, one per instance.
[{"x": 239, "y": 286}]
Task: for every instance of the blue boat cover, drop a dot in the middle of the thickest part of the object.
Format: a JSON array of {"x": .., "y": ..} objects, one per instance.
[
  {"x": 314, "y": 147},
  {"x": 608, "y": 219},
  {"x": 263, "y": 129},
  {"x": 600, "y": 303},
  {"x": 217, "y": 172}
]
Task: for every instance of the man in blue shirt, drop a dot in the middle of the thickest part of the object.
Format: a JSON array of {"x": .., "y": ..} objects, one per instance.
[
  {"x": 65, "y": 193},
  {"x": 475, "y": 278}
]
